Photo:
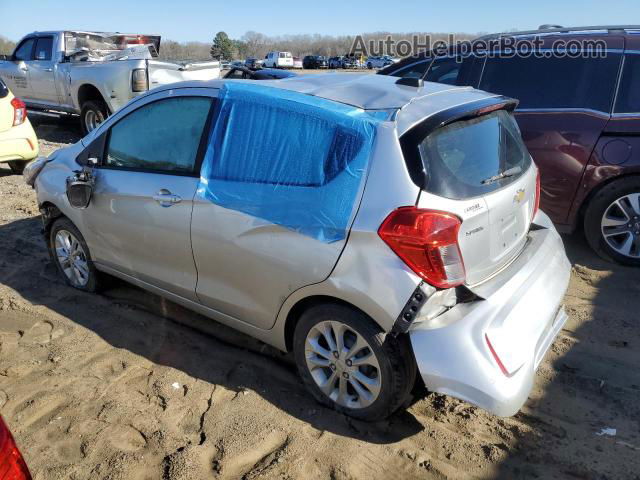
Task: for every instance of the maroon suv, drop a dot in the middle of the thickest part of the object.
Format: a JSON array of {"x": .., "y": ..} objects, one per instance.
[{"x": 580, "y": 118}]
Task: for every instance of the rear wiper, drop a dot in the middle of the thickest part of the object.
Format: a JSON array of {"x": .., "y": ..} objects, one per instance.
[{"x": 507, "y": 173}]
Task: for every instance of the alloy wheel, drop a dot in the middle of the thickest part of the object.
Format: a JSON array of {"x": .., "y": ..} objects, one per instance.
[
  {"x": 343, "y": 365},
  {"x": 621, "y": 225},
  {"x": 72, "y": 258}
]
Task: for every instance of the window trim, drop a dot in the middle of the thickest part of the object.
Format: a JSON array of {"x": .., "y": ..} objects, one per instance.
[{"x": 200, "y": 152}]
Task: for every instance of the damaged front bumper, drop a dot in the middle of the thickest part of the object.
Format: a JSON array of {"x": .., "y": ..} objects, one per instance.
[{"x": 486, "y": 351}]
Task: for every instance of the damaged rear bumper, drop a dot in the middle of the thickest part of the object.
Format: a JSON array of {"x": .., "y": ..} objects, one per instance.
[{"x": 486, "y": 352}]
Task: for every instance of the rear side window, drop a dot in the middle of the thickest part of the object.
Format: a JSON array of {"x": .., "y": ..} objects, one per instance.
[
  {"x": 461, "y": 160},
  {"x": 554, "y": 82},
  {"x": 23, "y": 52},
  {"x": 444, "y": 70},
  {"x": 288, "y": 158},
  {"x": 4, "y": 91},
  {"x": 629, "y": 94},
  {"x": 417, "y": 70},
  {"x": 44, "y": 48},
  {"x": 162, "y": 136}
]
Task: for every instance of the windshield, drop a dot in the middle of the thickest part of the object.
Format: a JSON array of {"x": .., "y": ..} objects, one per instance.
[{"x": 471, "y": 158}]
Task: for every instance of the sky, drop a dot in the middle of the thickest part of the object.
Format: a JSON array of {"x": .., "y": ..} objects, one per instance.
[{"x": 199, "y": 20}]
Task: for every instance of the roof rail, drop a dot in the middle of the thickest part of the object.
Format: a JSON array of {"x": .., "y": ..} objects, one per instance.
[{"x": 544, "y": 29}]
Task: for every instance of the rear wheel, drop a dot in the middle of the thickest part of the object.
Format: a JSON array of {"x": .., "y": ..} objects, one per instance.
[
  {"x": 92, "y": 114},
  {"x": 70, "y": 253},
  {"x": 612, "y": 222},
  {"x": 17, "y": 166},
  {"x": 349, "y": 364},
  {"x": 369, "y": 66}
]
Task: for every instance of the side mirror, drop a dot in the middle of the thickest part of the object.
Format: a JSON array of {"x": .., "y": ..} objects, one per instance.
[{"x": 80, "y": 189}]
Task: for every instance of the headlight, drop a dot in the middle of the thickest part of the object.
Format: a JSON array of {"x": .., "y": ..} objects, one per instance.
[{"x": 32, "y": 170}]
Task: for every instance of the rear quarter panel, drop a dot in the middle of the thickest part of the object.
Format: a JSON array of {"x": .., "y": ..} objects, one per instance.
[
  {"x": 616, "y": 154},
  {"x": 369, "y": 275}
]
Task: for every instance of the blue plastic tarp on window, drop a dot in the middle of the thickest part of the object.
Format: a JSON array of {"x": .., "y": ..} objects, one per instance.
[{"x": 292, "y": 159}]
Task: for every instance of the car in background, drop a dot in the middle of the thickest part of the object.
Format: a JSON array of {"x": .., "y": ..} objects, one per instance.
[
  {"x": 18, "y": 142},
  {"x": 312, "y": 62},
  {"x": 580, "y": 118},
  {"x": 297, "y": 62},
  {"x": 278, "y": 60},
  {"x": 244, "y": 73},
  {"x": 252, "y": 62},
  {"x": 225, "y": 65},
  {"x": 335, "y": 62},
  {"x": 375, "y": 227},
  {"x": 12, "y": 464},
  {"x": 380, "y": 62}
]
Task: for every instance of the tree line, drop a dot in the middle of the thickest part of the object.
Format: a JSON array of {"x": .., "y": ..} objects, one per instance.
[{"x": 256, "y": 44}]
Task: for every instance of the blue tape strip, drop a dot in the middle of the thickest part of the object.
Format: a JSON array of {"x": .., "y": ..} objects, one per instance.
[{"x": 292, "y": 159}]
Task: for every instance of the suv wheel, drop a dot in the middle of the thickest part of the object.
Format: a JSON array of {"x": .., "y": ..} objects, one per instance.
[
  {"x": 92, "y": 114},
  {"x": 349, "y": 364},
  {"x": 71, "y": 256},
  {"x": 17, "y": 166},
  {"x": 612, "y": 222}
]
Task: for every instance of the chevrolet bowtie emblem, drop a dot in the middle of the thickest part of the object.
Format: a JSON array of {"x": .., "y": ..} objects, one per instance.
[{"x": 519, "y": 196}]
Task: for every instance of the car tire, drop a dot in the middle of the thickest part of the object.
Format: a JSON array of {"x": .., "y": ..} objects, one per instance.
[
  {"x": 369, "y": 66},
  {"x": 92, "y": 113},
  {"x": 17, "y": 166},
  {"x": 89, "y": 279},
  {"x": 390, "y": 380},
  {"x": 611, "y": 211}
]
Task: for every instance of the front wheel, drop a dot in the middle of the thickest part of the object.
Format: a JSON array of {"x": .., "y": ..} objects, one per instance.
[
  {"x": 70, "y": 254},
  {"x": 612, "y": 222},
  {"x": 349, "y": 364}
]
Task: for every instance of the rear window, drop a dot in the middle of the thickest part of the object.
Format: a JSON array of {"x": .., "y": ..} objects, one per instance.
[{"x": 465, "y": 159}]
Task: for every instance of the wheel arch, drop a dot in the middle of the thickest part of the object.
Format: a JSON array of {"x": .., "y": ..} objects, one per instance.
[
  {"x": 584, "y": 205},
  {"x": 301, "y": 306},
  {"x": 87, "y": 92},
  {"x": 50, "y": 213}
]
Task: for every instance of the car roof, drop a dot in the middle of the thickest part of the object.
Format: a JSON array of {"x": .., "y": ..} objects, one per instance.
[{"x": 368, "y": 92}]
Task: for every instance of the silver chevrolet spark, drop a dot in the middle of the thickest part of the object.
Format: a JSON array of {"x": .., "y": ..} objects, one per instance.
[{"x": 385, "y": 231}]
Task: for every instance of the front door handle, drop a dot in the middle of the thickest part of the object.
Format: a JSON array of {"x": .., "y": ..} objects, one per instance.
[
  {"x": 165, "y": 198},
  {"x": 48, "y": 69}
]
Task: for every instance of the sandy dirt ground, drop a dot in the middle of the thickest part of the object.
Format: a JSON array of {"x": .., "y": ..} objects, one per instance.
[{"x": 125, "y": 385}]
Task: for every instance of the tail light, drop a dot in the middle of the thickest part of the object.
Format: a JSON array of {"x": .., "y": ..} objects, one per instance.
[
  {"x": 536, "y": 205},
  {"x": 12, "y": 466},
  {"x": 19, "y": 111},
  {"x": 139, "y": 80},
  {"x": 427, "y": 241}
]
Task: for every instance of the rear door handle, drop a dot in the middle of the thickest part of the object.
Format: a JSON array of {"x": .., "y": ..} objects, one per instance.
[{"x": 165, "y": 198}]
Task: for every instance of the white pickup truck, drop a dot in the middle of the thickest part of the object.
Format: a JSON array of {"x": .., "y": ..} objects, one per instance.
[{"x": 92, "y": 74}]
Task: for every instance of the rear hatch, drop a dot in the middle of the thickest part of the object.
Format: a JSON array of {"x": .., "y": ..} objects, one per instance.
[
  {"x": 480, "y": 170},
  {"x": 6, "y": 109}
]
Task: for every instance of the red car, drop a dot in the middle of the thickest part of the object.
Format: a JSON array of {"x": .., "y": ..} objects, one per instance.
[
  {"x": 579, "y": 116},
  {"x": 12, "y": 466}
]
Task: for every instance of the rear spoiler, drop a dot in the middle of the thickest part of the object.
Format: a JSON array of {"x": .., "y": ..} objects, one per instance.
[{"x": 410, "y": 140}]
